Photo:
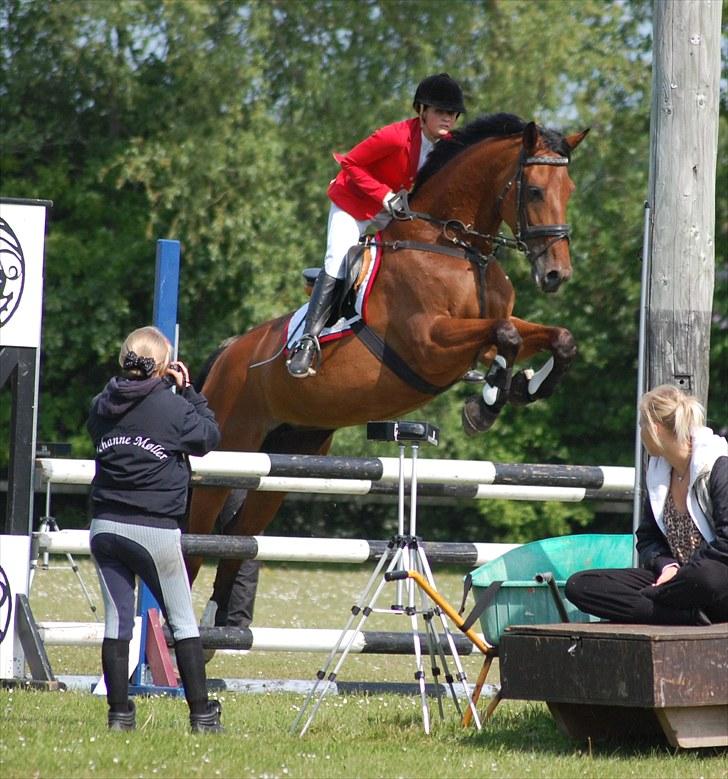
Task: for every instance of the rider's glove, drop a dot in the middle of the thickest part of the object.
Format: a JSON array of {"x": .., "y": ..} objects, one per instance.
[{"x": 394, "y": 203}]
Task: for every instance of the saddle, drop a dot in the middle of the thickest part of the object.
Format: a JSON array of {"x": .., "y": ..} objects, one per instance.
[{"x": 356, "y": 266}]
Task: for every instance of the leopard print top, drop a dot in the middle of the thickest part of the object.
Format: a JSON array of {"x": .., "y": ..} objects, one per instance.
[{"x": 682, "y": 534}]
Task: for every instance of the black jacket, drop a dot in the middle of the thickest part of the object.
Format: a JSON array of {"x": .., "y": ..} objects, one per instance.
[
  {"x": 652, "y": 545},
  {"x": 142, "y": 432}
]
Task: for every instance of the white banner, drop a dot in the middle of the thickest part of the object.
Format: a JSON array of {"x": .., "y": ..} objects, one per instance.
[
  {"x": 14, "y": 567},
  {"x": 22, "y": 240}
]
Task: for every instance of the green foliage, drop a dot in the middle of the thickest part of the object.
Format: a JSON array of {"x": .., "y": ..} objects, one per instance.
[{"x": 214, "y": 123}]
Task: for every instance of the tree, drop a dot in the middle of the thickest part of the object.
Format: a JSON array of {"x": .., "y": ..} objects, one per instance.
[{"x": 214, "y": 123}]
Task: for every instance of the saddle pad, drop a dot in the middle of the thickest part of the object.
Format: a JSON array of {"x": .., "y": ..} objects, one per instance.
[{"x": 342, "y": 327}]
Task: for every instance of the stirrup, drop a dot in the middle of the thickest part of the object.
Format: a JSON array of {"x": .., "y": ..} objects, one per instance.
[
  {"x": 473, "y": 376},
  {"x": 300, "y": 363}
]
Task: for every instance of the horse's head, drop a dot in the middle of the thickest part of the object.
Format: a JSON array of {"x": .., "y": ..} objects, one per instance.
[
  {"x": 533, "y": 203},
  {"x": 527, "y": 166}
]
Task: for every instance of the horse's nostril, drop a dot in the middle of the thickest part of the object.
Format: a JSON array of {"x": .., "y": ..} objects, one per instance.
[{"x": 552, "y": 281}]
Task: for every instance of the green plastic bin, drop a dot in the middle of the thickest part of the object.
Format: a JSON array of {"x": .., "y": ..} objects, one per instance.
[{"x": 520, "y": 600}]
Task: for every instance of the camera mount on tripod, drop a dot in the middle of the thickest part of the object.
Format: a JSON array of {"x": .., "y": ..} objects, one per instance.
[{"x": 406, "y": 430}]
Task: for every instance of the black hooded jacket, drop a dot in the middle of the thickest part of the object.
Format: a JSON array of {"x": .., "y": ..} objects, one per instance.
[{"x": 142, "y": 432}]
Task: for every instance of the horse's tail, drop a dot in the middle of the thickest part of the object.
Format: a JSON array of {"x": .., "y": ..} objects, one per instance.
[{"x": 201, "y": 378}]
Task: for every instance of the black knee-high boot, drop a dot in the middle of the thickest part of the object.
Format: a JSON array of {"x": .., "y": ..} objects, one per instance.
[
  {"x": 204, "y": 713},
  {"x": 115, "y": 663},
  {"x": 300, "y": 363}
]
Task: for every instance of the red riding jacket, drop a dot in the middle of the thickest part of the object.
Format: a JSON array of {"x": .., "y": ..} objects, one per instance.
[{"x": 384, "y": 162}]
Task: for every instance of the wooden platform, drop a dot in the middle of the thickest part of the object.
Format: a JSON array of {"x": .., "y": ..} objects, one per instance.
[{"x": 603, "y": 680}]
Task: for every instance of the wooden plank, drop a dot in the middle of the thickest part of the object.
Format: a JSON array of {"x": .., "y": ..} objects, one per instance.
[
  {"x": 607, "y": 664},
  {"x": 627, "y": 632},
  {"x": 567, "y": 669},
  {"x": 695, "y": 727}
]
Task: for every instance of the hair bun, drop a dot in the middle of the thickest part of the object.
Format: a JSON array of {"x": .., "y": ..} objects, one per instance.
[{"x": 145, "y": 365}]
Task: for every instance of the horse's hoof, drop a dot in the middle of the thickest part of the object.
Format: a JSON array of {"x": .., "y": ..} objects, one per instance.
[
  {"x": 476, "y": 416},
  {"x": 518, "y": 394}
]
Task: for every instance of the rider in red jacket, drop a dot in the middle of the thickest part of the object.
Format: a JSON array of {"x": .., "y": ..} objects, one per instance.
[{"x": 371, "y": 174}]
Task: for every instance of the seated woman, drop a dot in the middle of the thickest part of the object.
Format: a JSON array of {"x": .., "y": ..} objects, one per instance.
[{"x": 682, "y": 540}]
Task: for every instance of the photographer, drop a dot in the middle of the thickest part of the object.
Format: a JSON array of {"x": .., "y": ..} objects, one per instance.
[{"x": 142, "y": 432}]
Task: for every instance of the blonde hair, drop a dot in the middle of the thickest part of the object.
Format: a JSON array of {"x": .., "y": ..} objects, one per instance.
[
  {"x": 677, "y": 411},
  {"x": 146, "y": 342}
]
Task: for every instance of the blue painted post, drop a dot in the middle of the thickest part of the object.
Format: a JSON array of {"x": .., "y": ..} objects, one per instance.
[
  {"x": 164, "y": 316},
  {"x": 166, "y": 288}
]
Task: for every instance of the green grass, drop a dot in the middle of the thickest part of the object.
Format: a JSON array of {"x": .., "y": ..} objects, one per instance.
[{"x": 63, "y": 734}]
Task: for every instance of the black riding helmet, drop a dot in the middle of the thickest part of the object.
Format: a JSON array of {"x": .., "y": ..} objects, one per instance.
[{"x": 439, "y": 91}]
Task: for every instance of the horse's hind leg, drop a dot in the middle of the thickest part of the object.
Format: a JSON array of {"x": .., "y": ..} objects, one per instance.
[
  {"x": 205, "y": 505},
  {"x": 255, "y": 511},
  {"x": 259, "y": 508},
  {"x": 528, "y": 386},
  {"x": 481, "y": 411}
]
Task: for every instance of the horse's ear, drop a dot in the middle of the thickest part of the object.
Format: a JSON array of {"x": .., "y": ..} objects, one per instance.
[
  {"x": 530, "y": 138},
  {"x": 572, "y": 141}
]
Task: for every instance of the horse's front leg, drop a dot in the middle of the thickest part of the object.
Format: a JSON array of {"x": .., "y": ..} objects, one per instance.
[
  {"x": 528, "y": 385},
  {"x": 481, "y": 411}
]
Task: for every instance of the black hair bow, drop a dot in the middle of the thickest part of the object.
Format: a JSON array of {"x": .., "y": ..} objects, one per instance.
[{"x": 133, "y": 362}]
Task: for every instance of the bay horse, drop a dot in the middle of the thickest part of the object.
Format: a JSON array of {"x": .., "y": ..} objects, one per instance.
[{"x": 440, "y": 302}]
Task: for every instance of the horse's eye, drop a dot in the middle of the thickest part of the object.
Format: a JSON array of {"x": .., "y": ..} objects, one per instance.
[{"x": 535, "y": 193}]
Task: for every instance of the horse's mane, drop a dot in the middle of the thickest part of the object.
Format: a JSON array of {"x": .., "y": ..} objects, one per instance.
[{"x": 488, "y": 126}]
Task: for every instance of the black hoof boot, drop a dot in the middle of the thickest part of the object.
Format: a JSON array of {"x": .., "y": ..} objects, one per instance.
[
  {"x": 209, "y": 722},
  {"x": 300, "y": 363},
  {"x": 477, "y": 417},
  {"x": 123, "y": 720},
  {"x": 519, "y": 394}
]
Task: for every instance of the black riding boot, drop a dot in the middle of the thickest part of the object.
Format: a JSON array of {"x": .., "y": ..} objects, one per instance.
[
  {"x": 204, "y": 714},
  {"x": 319, "y": 308},
  {"x": 115, "y": 663}
]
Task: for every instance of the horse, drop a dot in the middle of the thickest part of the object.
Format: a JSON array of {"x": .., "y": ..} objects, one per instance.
[{"x": 440, "y": 303}]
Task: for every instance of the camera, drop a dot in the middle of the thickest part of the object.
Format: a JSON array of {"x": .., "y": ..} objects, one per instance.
[{"x": 403, "y": 431}]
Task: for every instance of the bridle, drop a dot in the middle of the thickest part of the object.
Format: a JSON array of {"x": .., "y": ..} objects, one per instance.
[
  {"x": 460, "y": 234},
  {"x": 526, "y": 231}
]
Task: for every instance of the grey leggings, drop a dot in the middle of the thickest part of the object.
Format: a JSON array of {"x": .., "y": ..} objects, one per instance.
[{"x": 123, "y": 551}]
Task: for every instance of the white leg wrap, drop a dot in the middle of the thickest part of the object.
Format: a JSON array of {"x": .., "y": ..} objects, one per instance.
[
  {"x": 490, "y": 394},
  {"x": 540, "y": 376}
]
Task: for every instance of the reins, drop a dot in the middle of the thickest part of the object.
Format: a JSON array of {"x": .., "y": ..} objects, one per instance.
[{"x": 524, "y": 230}]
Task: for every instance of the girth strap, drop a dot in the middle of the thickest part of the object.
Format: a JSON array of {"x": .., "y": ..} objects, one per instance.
[{"x": 386, "y": 355}]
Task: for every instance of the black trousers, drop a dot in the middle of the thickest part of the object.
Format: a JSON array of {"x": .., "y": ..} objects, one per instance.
[{"x": 627, "y": 594}]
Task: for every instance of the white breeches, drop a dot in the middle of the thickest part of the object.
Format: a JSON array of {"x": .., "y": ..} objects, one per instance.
[{"x": 342, "y": 233}]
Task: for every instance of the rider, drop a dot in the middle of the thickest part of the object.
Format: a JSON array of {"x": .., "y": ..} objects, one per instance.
[{"x": 371, "y": 175}]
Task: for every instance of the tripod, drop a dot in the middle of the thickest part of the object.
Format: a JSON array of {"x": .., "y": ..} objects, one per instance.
[
  {"x": 48, "y": 524},
  {"x": 403, "y": 554}
]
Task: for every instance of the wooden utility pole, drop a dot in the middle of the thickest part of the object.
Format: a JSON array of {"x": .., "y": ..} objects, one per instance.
[{"x": 681, "y": 198}]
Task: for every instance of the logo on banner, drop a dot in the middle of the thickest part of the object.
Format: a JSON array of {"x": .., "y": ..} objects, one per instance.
[
  {"x": 12, "y": 274},
  {"x": 6, "y": 604}
]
